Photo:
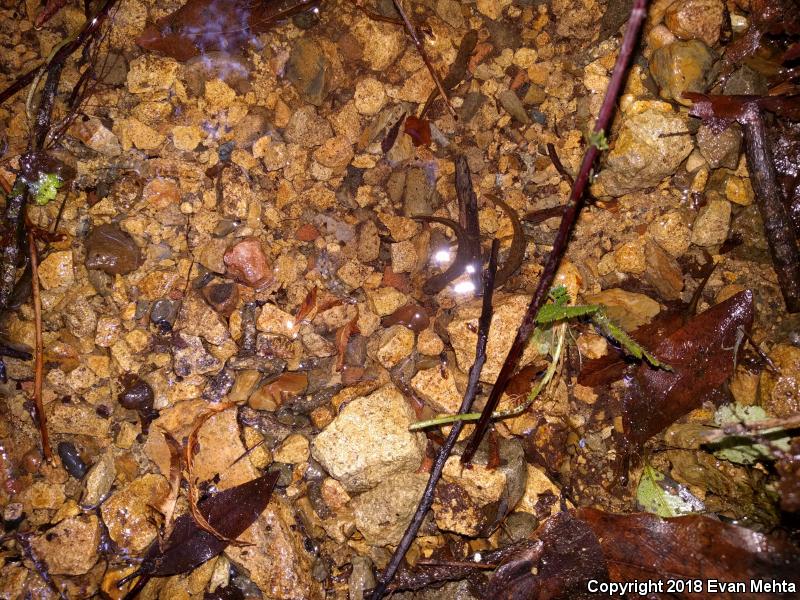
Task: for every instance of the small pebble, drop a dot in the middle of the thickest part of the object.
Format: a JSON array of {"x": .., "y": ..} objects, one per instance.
[
  {"x": 137, "y": 395},
  {"x": 71, "y": 459}
]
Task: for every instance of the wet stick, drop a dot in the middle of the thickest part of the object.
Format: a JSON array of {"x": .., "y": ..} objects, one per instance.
[
  {"x": 769, "y": 197},
  {"x": 778, "y": 228},
  {"x": 444, "y": 452},
  {"x": 421, "y": 49},
  {"x": 570, "y": 215}
]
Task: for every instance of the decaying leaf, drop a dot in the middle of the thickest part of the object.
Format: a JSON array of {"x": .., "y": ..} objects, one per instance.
[
  {"x": 419, "y": 130},
  {"x": 559, "y": 565},
  {"x": 230, "y": 512},
  {"x": 342, "y": 337},
  {"x": 702, "y": 356},
  {"x": 193, "y": 493},
  {"x": 642, "y": 547},
  {"x": 665, "y": 497},
  {"x": 308, "y": 309}
]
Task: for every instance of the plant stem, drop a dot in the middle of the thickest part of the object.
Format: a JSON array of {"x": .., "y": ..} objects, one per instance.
[
  {"x": 570, "y": 216},
  {"x": 444, "y": 452},
  {"x": 511, "y": 412},
  {"x": 38, "y": 376},
  {"x": 421, "y": 49}
]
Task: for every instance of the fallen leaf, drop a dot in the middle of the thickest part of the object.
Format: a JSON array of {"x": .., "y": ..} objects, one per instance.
[
  {"x": 559, "y": 565},
  {"x": 702, "y": 356},
  {"x": 642, "y": 547},
  {"x": 419, "y": 130},
  {"x": 665, "y": 497},
  {"x": 230, "y": 512},
  {"x": 342, "y": 337}
]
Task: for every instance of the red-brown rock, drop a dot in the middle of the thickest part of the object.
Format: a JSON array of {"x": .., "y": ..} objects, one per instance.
[{"x": 247, "y": 263}]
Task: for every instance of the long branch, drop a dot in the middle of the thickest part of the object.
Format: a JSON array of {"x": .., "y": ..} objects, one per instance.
[
  {"x": 570, "y": 216},
  {"x": 444, "y": 452}
]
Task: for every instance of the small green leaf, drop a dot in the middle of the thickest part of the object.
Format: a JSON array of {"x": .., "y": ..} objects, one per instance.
[
  {"x": 559, "y": 295},
  {"x": 46, "y": 188},
  {"x": 745, "y": 450},
  {"x": 556, "y": 312},
  {"x": 665, "y": 497}
]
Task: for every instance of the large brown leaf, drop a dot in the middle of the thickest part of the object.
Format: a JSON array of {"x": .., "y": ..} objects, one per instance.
[
  {"x": 230, "y": 512},
  {"x": 559, "y": 565},
  {"x": 644, "y": 547},
  {"x": 701, "y": 353}
]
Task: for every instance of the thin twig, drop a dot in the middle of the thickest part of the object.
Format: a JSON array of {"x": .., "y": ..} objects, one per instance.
[
  {"x": 38, "y": 376},
  {"x": 444, "y": 452},
  {"x": 38, "y": 564},
  {"x": 89, "y": 29},
  {"x": 421, "y": 49},
  {"x": 571, "y": 211}
]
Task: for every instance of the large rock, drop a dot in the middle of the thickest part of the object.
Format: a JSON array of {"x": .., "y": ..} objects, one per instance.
[
  {"x": 473, "y": 500},
  {"x": 646, "y": 150},
  {"x": 681, "y": 67},
  {"x": 383, "y": 513},
  {"x": 508, "y": 312},
  {"x": 69, "y": 548},
  {"x": 276, "y": 559},
  {"x": 369, "y": 441}
]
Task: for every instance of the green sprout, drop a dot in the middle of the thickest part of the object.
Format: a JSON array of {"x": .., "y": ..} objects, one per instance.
[
  {"x": 597, "y": 139},
  {"x": 45, "y": 189},
  {"x": 553, "y": 317}
]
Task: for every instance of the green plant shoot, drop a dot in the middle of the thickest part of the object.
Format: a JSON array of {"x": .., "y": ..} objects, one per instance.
[
  {"x": 45, "y": 188},
  {"x": 598, "y": 140},
  {"x": 551, "y": 315}
]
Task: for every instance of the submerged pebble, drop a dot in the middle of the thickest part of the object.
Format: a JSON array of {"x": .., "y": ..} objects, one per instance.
[{"x": 112, "y": 250}]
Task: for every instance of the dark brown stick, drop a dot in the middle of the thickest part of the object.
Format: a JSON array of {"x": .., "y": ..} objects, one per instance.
[
  {"x": 12, "y": 239},
  {"x": 444, "y": 452},
  {"x": 571, "y": 211},
  {"x": 89, "y": 29},
  {"x": 29, "y": 163},
  {"x": 769, "y": 197},
  {"x": 551, "y": 152}
]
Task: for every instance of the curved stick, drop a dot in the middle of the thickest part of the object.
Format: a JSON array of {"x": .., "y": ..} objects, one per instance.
[
  {"x": 437, "y": 283},
  {"x": 516, "y": 254}
]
